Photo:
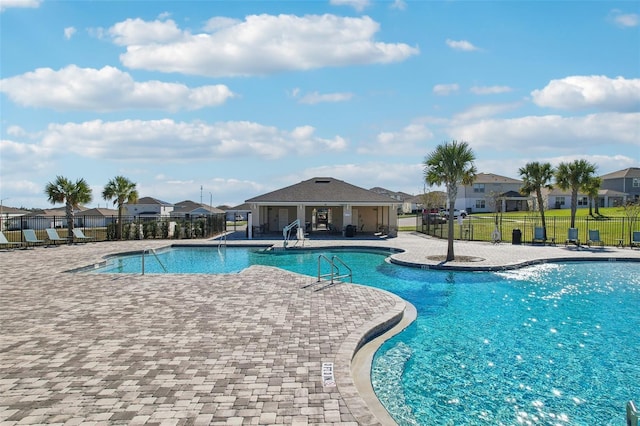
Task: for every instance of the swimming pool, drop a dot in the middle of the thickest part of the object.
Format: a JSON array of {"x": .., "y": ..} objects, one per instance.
[{"x": 547, "y": 344}]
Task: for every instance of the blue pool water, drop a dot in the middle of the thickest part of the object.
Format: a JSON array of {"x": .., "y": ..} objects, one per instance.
[{"x": 553, "y": 344}]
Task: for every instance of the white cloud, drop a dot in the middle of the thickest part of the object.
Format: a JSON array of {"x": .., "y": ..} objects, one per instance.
[
  {"x": 358, "y": 5},
  {"x": 69, "y": 32},
  {"x": 399, "y": 5},
  {"x": 256, "y": 46},
  {"x": 106, "y": 89},
  {"x": 404, "y": 141},
  {"x": 490, "y": 90},
  {"x": 624, "y": 20},
  {"x": 316, "y": 98},
  {"x": 461, "y": 45},
  {"x": 170, "y": 141},
  {"x": 7, "y": 4},
  {"x": 445, "y": 89},
  {"x": 582, "y": 92},
  {"x": 550, "y": 132},
  {"x": 482, "y": 111}
]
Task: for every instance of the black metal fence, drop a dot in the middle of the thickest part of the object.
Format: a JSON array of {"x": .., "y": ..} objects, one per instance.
[
  {"x": 613, "y": 231},
  {"x": 104, "y": 228}
]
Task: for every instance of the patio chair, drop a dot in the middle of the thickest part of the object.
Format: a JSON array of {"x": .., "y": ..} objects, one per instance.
[
  {"x": 79, "y": 235},
  {"x": 538, "y": 235},
  {"x": 594, "y": 238},
  {"x": 572, "y": 237},
  {"x": 8, "y": 244},
  {"x": 635, "y": 240},
  {"x": 31, "y": 238},
  {"x": 53, "y": 237}
]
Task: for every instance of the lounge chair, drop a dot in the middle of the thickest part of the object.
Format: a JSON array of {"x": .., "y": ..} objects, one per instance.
[
  {"x": 8, "y": 244},
  {"x": 572, "y": 237},
  {"x": 538, "y": 235},
  {"x": 31, "y": 238},
  {"x": 635, "y": 240},
  {"x": 53, "y": 237},
  {"x": 79, "y": 235},
  {"x": 594, "y": 238}
]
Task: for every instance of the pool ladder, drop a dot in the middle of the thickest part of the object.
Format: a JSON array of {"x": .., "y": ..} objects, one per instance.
[
  {"x": 632, "y": 414},
  {"x": 153, "y": 252},
  {"x": 335, "y": 269}
]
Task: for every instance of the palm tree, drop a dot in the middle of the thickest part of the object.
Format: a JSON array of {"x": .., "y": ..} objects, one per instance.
[
  {"x": 62, "y": 190},
  {"x": 450, "y": 164},
  {"x": 591, "y": 188},
  {"x": 536, "y": 176},
  {"x": 574, "y": 176},
  {"x": 121, "y": 190}
]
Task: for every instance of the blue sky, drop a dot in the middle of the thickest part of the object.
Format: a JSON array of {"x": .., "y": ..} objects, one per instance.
[{"x": 226, "y": 100}]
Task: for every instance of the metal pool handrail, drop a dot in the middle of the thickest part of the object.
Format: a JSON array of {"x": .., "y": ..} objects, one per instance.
[
  {"x": 152, "y": 251},
  {"x": 632, "y": 414},
  {"x": 335, "y": 270}
]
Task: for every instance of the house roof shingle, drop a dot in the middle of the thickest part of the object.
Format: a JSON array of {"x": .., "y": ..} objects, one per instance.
[
  {"x": 493, "y": 178},
  {"x": 631, "y": 172},
  {"x": 324, "y": 190}
]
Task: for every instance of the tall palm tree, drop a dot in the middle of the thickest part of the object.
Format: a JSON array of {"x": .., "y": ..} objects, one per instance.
[
  {"x": 591, "y": 188},
  {"x": 72, "y": 194},
  {"x": 121, "y": 190},
  {"x": 450, "y": 164},
  {"x": 535, "y": 177},
  {"x": 574, "y": 176}
]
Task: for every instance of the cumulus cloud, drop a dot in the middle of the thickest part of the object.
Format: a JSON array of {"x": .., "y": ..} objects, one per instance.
[
  {"x": 69, "y": 32},
  {"x": 596, "y": 91},
  {"x": 106, "y": 89},
  {"x": 167, "y": 140},
  {"x": 445, "y": 89},
  {"x": 490, "y": 90},
  {"x": 259, "y": 45},
  {"x": 7, "y": 4},
  {"x": 463, "y": 45},
  {"x": 477, "y": 112},
  {"x": 551, "y": 132},
  {"x": 358, "y": 5},
  {"x": 400, "y": 142},
  {"x": 316, "y": 98},
  {"x": 624, "y": 20}
]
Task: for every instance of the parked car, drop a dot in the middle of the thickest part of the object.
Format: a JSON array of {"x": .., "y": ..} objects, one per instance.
[
  {"x": 456, "y": 213},
  {"x": 433, "y": 218}
]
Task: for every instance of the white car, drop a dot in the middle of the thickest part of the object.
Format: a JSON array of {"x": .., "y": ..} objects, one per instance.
[{"x": 456, "y": 213}]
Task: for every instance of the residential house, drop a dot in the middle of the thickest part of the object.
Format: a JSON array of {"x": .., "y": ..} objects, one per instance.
[
  {"x": 625, "y": 183},
  {"x": 149, "y": 208},
  {"x": 10, "y": 217},
  {"x": 406, "y": 206},
  {"x": 240, "y": 212},
  {"x": 491, "y": 193},
  {"x": 557, "y": 198},
  {"x": 324, "y": 204},
  {"x": 189, "y": 209},
  {"x": 98, "y": 217},
  {"x": 47, "y": 218}
]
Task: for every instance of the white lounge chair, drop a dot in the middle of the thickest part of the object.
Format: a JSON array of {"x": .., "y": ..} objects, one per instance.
[
  {"x": 8, "y": 244},
  {"x": 79, "y": 235},
  {"x": 31, "y": 238},
  {"x": 53, "y": 237}
]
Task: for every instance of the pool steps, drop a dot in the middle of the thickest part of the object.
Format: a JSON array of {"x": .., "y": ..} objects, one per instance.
[
  {"x": 334, "y": 268},
  {"x": 153, "y": 252}
]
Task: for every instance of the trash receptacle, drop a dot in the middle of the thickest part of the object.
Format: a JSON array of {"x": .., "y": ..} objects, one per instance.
[
  {"x": 516, "y": 236},
  {"x": 350, "y": 231}
]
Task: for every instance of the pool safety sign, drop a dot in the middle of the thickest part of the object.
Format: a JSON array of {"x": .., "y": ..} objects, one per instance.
[{"x": 327, "y": 374}]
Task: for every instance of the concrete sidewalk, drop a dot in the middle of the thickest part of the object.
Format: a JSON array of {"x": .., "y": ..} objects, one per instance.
[{"x": 247, "y": 348}]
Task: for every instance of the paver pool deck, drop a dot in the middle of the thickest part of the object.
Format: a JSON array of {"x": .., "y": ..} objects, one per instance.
[{"x": 246, "y": 348}]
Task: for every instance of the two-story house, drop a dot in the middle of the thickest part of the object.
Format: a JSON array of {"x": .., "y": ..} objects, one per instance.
[
  {"x": 149, "y": 208},
  {"x": 620, "y": 187},
  {"x": 492, "y": 193}
]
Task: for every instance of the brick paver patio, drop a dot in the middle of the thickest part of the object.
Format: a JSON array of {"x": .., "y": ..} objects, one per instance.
[{"x": 247, "y": 348}]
